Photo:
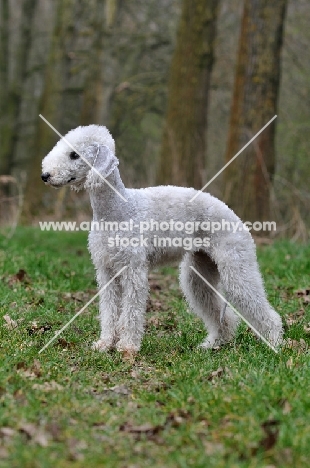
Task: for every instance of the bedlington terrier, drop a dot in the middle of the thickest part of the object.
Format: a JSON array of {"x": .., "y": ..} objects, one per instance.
[{"x": 142, "y": 228}]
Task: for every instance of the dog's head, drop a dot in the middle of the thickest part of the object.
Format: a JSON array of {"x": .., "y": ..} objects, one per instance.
[{"x": 81, "y": 159}]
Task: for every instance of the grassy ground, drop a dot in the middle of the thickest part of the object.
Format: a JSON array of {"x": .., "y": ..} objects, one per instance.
[{"x": 176, "y": 405}]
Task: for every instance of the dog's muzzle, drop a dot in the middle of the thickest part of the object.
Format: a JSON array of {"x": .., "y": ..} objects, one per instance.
[{"x": 45, "y": 176}]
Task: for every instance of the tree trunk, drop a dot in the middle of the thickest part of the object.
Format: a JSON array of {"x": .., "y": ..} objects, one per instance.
[
  {"x": 183, "y": 150},
  {"x": 92, "y": 99},
  {"x": 12, "y": 91},
  {"x": 4, "y": 53},
  {"x": 72, "y": 88},
  {"x": 248, "y": 179},
  {"x": 49, "y": 107},
  {"x": 4, "y": 80}
]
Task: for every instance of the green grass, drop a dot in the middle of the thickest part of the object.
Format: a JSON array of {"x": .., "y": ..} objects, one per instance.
[{"x": 166, "y": 409}]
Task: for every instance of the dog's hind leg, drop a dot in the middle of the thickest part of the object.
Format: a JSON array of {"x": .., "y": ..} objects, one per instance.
[
  {"x": 220, "y": 321},
  {"x": 243, "y": 285}
]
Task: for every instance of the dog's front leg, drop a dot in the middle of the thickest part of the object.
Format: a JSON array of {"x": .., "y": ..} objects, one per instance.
[
  {"x": 109, "y": 307},
  {"x": 130, "y": 327}
]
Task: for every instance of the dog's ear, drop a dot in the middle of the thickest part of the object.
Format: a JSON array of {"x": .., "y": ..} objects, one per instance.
[{"x": 103, "y": 162}]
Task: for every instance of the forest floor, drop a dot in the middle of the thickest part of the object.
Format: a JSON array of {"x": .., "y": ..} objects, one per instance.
[{"x": 176, "y": 405}]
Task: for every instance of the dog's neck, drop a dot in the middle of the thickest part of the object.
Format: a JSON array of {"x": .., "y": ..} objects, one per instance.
[{"x": 108, "y": 204}]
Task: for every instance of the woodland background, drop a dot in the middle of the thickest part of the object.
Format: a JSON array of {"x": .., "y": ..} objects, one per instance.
[{"x": 181, "y": 84}]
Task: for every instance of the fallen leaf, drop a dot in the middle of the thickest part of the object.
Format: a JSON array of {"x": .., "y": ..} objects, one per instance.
[
  {"x": 287, "y": 408},
  {"x": 10, "y": 323},
  {"x": 154, "y": 320},
  {"x": 298, "y": 345},
  {"x": 7, "y": 432},
  {"x": 75, "y": 446},
  {"x": 39, "y": 301},
  {"x": 178, "y": 417},
  {"x": 79, "y": 296},
  {"x": 20, "y": 397},
  {"x": 120, "y": 389},
  {"x": 289, "y": 363},
  {"x": 271, "y": 430},
  {"x": 294, "y": 317},
  {"x": 27, "y": 373},
  {"x": 174, "y": 419},
  {"x": 100, "y": 426},
  {"x": 129, "y": 356},
  {"x": 105, "y": 377},
  {"x": 36, "y": 367},
  {"x": 307, "y": 328},
  {"x": 41, "y": 438},
  {"x": 32, "y": 372},
  {"x": 304, "y": 294},
  {"x": 54, "y": 429},
  {"x": 48, "y": 386},
  {"x": 212, "y": 447},
  {"x": 28, "y": 428},
  {"x": 154, "y": 285},
  {"x": 146, "y": 428},
  {"x": 154, "y": 305},
  {"x": 36, "y": 328},
  {"x": 217, "y": 373},
  {"x": 35, "y": 433},
  {"x": 64, "y": 343},
  {"x": 21, "y": 365},
  {"x": 19, "y": 277}
]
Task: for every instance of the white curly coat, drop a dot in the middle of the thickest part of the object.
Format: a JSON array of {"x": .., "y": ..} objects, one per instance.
[{"x": 228, "y": 263}]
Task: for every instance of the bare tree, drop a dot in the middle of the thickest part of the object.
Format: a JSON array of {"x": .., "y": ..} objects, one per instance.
[
  {"x": 12, "y": 87},
  {"x": 4, "y": 52},
  {"x": 248, "y": 179},
  {"x": 72, "y": 86},
  {"x": 183, "y": 150}
]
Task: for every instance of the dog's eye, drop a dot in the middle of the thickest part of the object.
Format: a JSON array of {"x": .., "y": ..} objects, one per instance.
[{"x": 73, "y": 155}]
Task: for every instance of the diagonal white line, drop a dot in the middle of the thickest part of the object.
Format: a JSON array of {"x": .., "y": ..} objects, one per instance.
[
  {"x": 235, "y": 310},
  {"x": 232, "y": 159},
  {"x": 85, "y": 160},
  {"x": 83, "y": 308}
]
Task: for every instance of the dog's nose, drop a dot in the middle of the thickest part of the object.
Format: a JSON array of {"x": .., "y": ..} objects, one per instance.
[{"x": 45, "y": 176}]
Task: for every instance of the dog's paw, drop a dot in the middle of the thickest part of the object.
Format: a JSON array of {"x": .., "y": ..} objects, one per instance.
[
  {"x": 275, "y": 337},
  {"x": 208, "y": 345},
  {"x": 127, "y": 348},
  {"x": 211, "y": 343},
  {"x": 101, "y": 345}
]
